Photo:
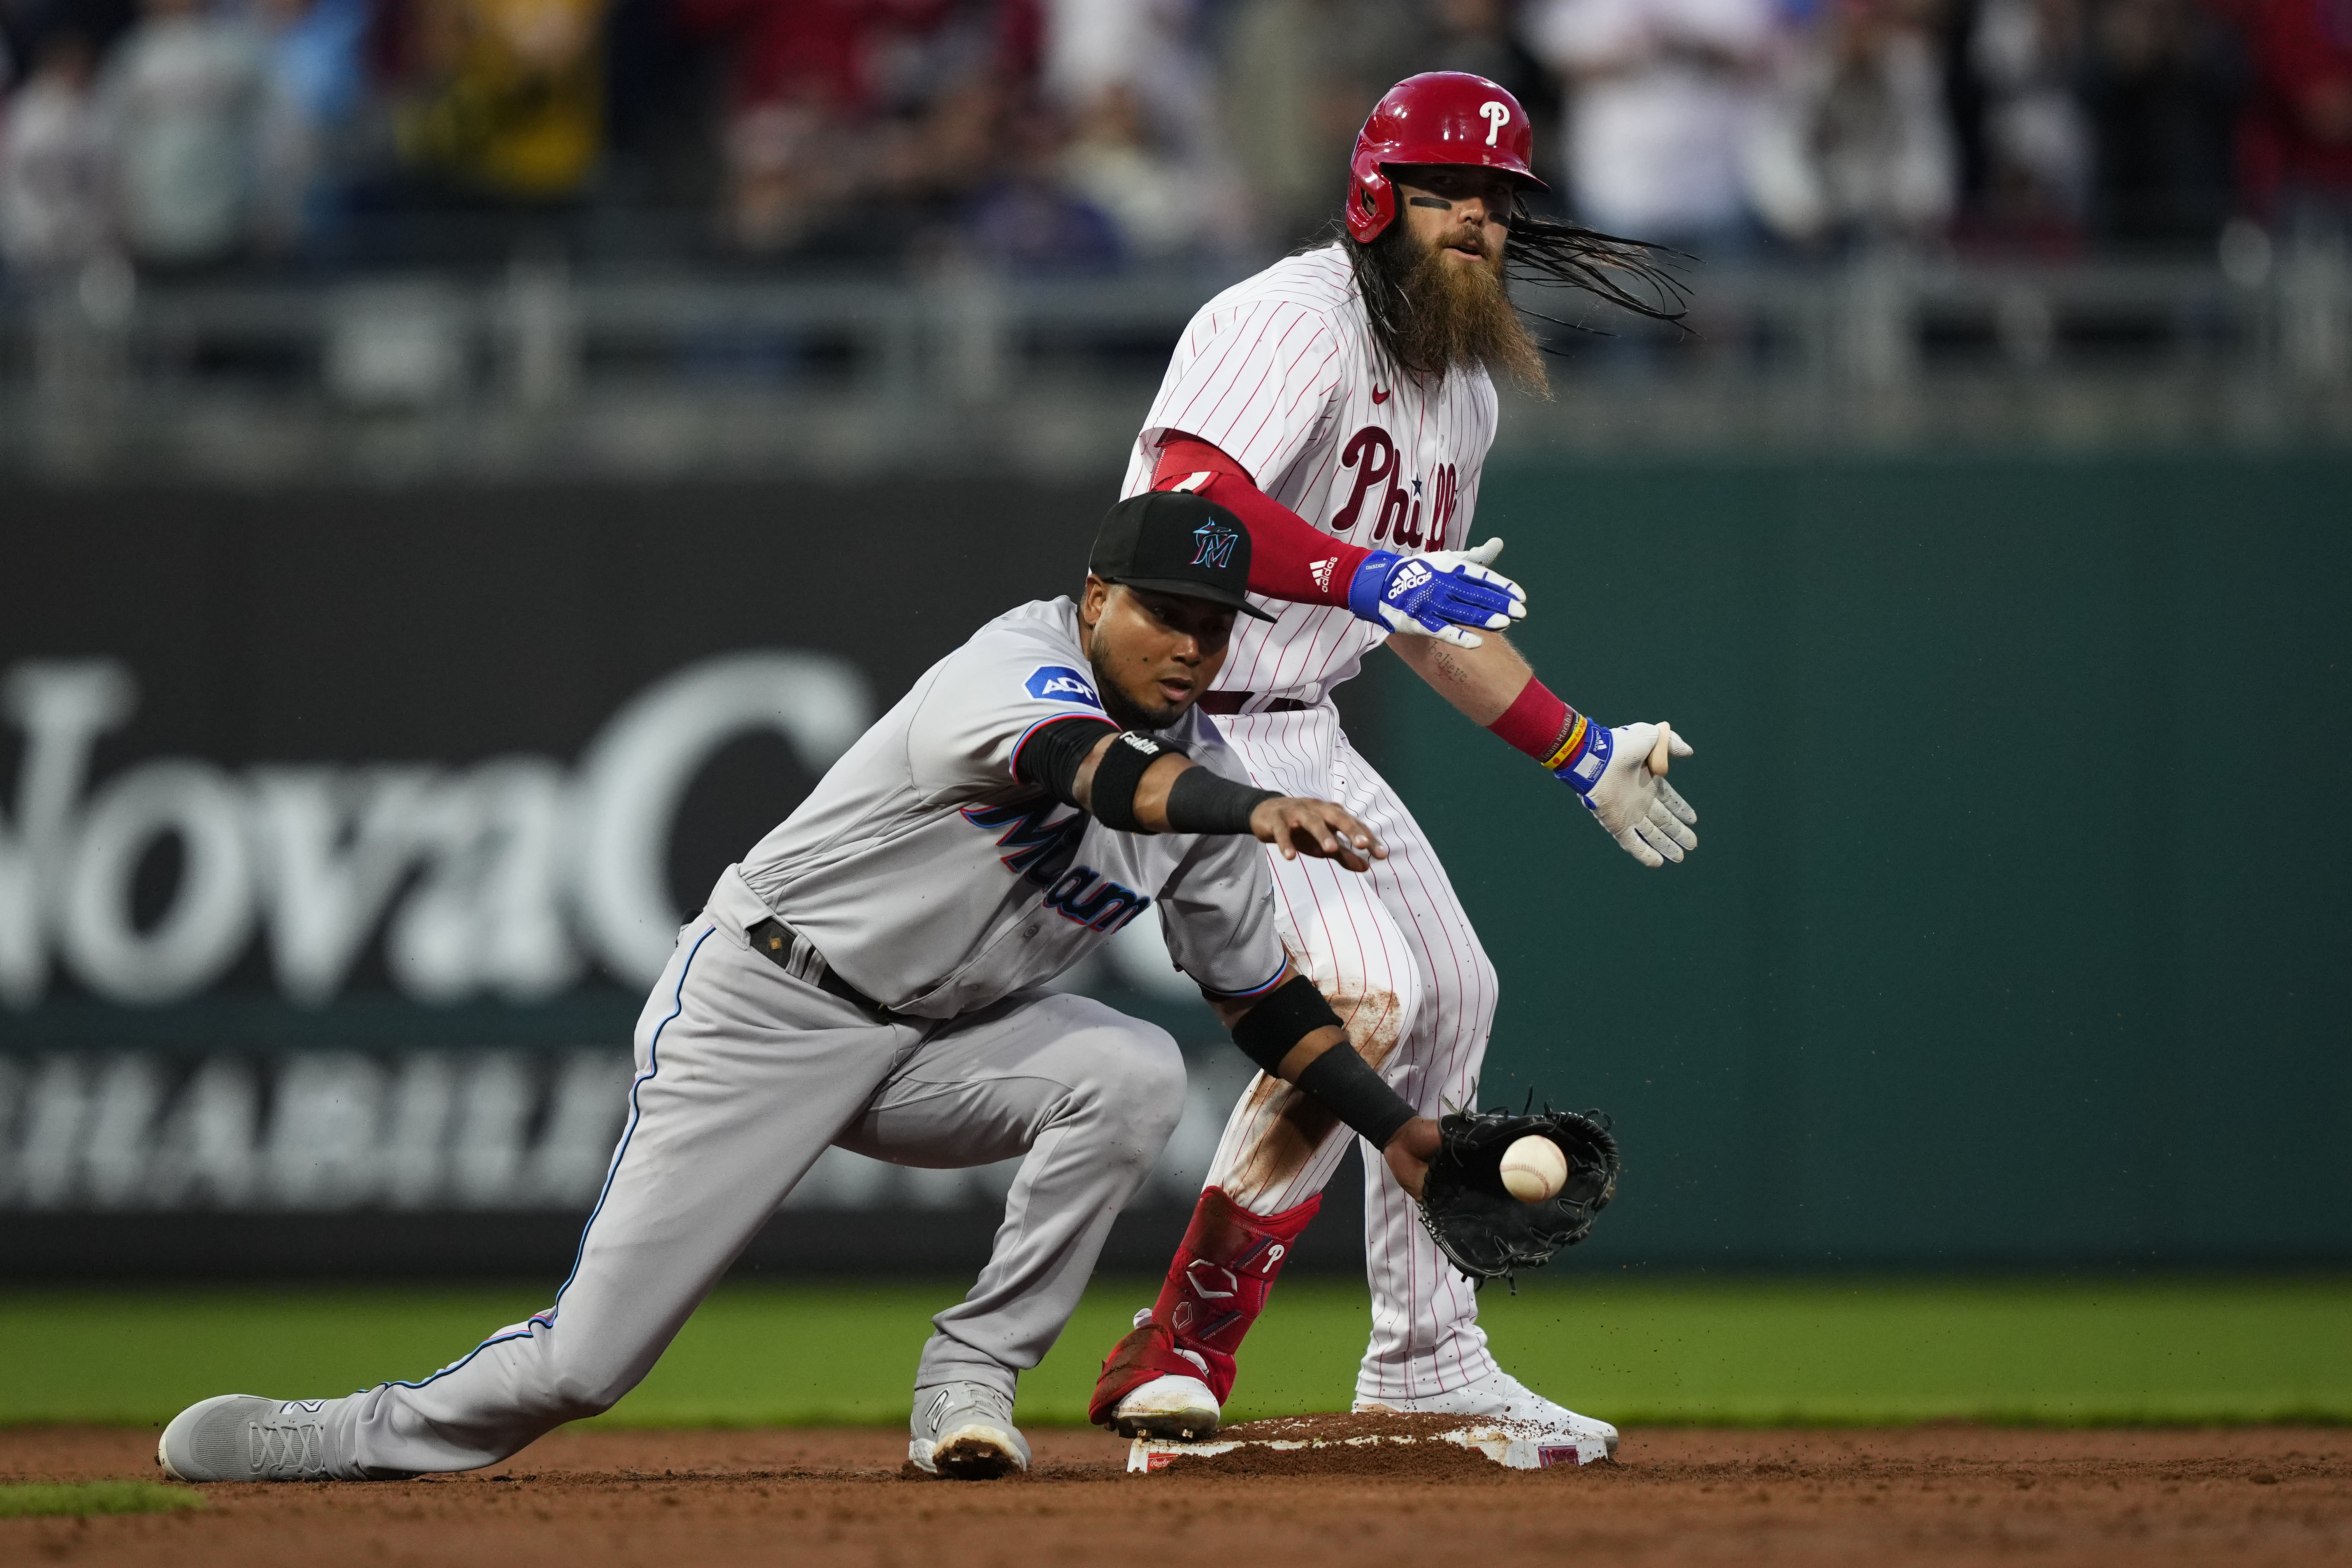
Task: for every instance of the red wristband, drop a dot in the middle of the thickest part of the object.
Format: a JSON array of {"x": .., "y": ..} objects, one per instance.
[{"x": 1542, "y": 726}]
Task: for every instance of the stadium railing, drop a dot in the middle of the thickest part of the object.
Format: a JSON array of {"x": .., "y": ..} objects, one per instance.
[{"x": 540, "y": 368}]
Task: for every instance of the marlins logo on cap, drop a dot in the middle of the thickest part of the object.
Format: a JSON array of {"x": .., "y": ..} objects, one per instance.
[
  {"x": 1212, "y": 546},
  {"x": 1174, "y": 541}
]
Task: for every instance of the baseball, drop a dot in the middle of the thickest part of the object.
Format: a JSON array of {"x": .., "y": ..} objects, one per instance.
[{"x": 1534, "y": 1169}]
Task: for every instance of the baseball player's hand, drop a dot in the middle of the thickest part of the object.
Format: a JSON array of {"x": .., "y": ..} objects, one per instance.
[
  {"x": 1438, "y": 594},
  {"x": 1410, "y": 1150},
  {"x": 1622, "y": 780},
  {"x": 1297, "y": 826}
]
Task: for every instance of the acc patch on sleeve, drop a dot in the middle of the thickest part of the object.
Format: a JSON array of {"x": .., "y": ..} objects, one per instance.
[{"x": 1061, "y": 683}]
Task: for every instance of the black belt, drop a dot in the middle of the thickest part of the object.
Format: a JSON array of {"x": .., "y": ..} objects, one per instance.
[
  {"x": 1229, "y": 702},
  {"x": 775, "y": 939}
]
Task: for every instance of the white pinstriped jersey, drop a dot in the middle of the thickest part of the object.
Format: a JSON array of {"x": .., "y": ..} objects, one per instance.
[{"x": 1280, "y": 373}]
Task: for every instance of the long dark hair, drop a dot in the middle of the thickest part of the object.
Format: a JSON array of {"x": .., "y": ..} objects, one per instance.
[
  {"x": 1630, "y": 274},
  {"x": 1569, "y": 256}
]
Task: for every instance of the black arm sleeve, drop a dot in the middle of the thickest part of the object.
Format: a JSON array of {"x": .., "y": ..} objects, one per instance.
[
  {"x": 1345, "y": 1083},
  {"x": 1338, "y": 1080},
  {"x": 1111, "y": 796},
  {"x": 1282, "y": 1018},
  {"x": 1049, "y": 759},
  {"x": 1200, "y": 801}
]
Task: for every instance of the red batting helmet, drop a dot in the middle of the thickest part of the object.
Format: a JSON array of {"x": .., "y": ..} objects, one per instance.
[{"x": 1438, "y": 117}]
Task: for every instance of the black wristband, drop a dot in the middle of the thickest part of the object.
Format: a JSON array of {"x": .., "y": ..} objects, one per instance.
[
  {"x": 1112, "y": 794},
  {"x": 1204, "y": 802},
  {"x": 1346, "y": 1086},
  {"x": 1283, "y": 1016}
]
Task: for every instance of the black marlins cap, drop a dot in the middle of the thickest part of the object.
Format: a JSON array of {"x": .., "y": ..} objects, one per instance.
[{"x": 1176, "y": 542}]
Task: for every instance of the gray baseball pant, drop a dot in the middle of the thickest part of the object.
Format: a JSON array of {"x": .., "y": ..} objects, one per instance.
[{"x": 744, "y": 1075}]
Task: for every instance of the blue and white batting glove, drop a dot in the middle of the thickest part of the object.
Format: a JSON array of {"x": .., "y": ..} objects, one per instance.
[
  {"x": 1610, "y": 770},
  {"x": 1438, "y": 594}
]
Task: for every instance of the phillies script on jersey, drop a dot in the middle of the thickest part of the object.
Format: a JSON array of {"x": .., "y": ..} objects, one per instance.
[{"x": 1280, "y": 373}]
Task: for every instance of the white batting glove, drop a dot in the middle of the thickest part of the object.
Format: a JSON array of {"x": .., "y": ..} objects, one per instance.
[
  {"x": 1633, "y": 803},
  {"x": 1440, "y": 595}
]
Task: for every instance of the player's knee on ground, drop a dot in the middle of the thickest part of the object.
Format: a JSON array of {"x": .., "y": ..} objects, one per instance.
[
  {"x": 589, "y": 1385},
  {"x": 578, "y": 1398}
]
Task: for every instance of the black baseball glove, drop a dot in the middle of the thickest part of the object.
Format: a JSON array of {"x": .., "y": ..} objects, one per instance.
[{"x": 1484, "y": 1231}]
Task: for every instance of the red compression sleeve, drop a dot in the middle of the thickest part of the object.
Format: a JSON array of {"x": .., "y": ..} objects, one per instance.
[
  {"x": 1289, "y": 556},
  {"x": 1542, "y": 726}
]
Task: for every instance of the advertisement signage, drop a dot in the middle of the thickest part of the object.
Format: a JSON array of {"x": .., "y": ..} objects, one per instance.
[{"x": 336, "y": 847}]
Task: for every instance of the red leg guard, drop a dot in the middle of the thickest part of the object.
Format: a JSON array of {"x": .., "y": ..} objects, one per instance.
[
  {"x": 1134, "y": 1361},
  {"x": 1215, "y": 1289},
  {"x": 1222, "y": 1276}
]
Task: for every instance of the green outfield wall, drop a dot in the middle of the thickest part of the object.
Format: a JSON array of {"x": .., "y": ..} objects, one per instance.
[
  {"x": 2017, "y": 936},
  {"x": 2019, "y": 930}
]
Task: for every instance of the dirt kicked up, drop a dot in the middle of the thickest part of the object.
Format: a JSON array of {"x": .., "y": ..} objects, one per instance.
[{"x": 1932, "y": 1495}]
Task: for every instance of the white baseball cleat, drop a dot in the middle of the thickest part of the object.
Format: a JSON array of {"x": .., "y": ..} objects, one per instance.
[
  {"x": 964, "y": 1431},
  {"x": 1500, "y": 1396},
  {"x": 1168, "y": 1407},
  {"x": 245, "y": 1438}
]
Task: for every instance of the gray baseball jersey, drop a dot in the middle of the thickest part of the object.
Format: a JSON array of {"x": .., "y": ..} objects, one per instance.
[
  {"x": 939, "y": 884},
  {"x": 935, "y": 880}
]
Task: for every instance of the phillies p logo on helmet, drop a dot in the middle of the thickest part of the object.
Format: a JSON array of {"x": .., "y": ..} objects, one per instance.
[{"x": 1438, "y": 117}]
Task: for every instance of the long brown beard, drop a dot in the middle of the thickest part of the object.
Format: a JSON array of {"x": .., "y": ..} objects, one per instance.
[
  {"x": 1629, "y": 274},
  {"x": 1442, "y": 316}
]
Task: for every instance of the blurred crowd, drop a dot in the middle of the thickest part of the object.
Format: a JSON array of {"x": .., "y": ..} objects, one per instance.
[{"x": 194, "y": 135}]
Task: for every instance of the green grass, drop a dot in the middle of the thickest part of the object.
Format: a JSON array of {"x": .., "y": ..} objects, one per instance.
[
  {"x": 27, "y": 1500},
  {"x": 1749, "y": 1352}
]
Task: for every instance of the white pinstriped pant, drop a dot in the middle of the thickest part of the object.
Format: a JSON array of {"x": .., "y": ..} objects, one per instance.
[{"x": 1394, "y": 951}]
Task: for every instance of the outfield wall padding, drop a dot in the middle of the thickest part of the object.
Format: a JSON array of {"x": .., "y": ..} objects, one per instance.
[
  {"x": 2019, "y": 925},
  {"x": 2016, "y": 936}
]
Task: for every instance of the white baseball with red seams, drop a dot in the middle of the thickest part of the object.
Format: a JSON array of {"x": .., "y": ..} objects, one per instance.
[
  {"x": 1534, "y": 1169},
  {"x": 1281, "y": 373}
]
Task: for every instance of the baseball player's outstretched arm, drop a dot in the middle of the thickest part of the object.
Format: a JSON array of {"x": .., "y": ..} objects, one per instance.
[
  {"x": 1292, "y": 1033},
  {"x": 1482, "y": 682},
  {"x": 1138, "y": 784},
  {"x": 1620, "y": 774},
  {"x": 1438, "y": 595},
  {"x": 1173, "y": 794}
]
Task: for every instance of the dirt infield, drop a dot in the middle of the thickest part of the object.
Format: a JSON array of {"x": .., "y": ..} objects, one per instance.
[{"x": 1936, "y": 1495}]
